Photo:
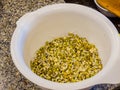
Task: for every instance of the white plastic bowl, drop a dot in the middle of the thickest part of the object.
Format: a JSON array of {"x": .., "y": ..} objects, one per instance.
[{"x": 34, "y": 28}]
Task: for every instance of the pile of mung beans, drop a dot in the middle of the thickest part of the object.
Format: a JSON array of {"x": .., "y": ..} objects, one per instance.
[{"x": 67, "y": 59}]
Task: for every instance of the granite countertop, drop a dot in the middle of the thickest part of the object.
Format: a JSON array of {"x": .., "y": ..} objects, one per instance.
[{"x": 10, "y": 12}]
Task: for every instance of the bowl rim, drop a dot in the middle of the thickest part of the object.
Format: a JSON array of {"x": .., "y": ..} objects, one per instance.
[{"x": 22, "y": 67}]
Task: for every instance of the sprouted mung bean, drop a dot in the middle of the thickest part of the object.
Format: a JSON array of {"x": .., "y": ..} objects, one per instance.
[{"x": 67, "y": 59}]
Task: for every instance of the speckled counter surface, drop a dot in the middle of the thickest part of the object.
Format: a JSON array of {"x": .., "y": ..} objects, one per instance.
[{"x": 10, "y": 12}]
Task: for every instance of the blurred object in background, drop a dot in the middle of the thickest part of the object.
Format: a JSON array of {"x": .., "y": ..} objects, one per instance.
[
  {"x": 111, "y": 5},
  {"x": 103, "y": 10}
]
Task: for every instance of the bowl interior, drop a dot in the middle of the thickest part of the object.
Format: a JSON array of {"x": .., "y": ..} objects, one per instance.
[{"x": 59, "y": 23}]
